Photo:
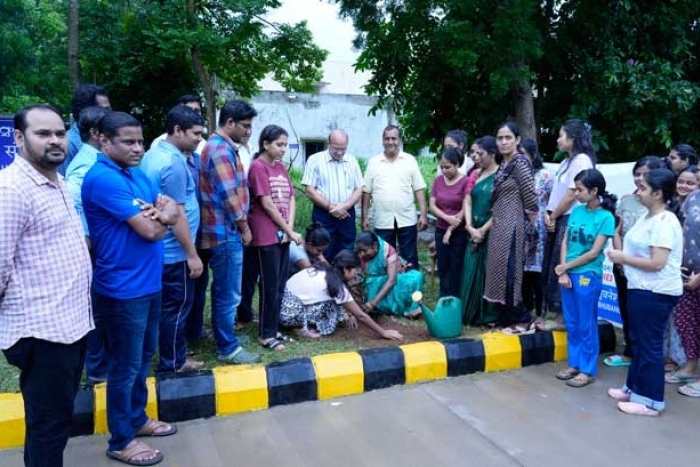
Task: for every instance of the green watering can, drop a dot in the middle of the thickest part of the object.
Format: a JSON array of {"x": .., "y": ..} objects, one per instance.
[{"x": 446, "y": 321}]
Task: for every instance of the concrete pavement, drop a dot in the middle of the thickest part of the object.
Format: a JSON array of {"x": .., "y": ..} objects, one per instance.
[{"x": 516, "y": 418}]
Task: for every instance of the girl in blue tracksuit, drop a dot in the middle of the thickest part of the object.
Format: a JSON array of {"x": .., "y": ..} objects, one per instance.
[{"x": 580, "y": 273}]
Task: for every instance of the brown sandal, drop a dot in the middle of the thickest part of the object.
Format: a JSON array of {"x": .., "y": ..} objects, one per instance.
[
  {"x": 156, "y": 428},
  {"x": 566, "y": 373},
  {"x": 132, "y": 450},
  {"x": 580, "y": 380}
]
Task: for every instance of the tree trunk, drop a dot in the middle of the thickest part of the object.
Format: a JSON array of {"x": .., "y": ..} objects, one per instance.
[
  {"x": 205, "y": 78},
  {"x": 73, "y": 43},
  {"x": 525, "y": 110}
]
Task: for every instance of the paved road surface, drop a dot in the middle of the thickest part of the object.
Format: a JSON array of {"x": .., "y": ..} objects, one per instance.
[{"x": 517, "y": 418}]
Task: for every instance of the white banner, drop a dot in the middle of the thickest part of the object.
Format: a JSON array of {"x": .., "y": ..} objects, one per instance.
[{"x": 618, "y": 177}]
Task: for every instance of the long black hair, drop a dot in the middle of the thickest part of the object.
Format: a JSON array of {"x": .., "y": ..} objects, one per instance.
[
  {"x": 580, "y": 133},
  {"x": 651, "y": 162},
  {"x": 529, "y": 146},
  {"x": 665, "y": 181},
  {"x": 269, "y": 134},
  {"x": 367, "y": 238},
  {"x": 687, "y": 153},
  {"x": 345, "y": 259},
  {"x": 452, "y": 155},
  {"x": 489, "y": 145},
  {"x": 459, "y": 137},
  {"x": 317, "y": 235},
  {"x": 593, "y": 178}
]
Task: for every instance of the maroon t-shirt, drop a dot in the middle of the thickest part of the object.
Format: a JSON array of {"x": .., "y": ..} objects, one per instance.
[
  {"x": 267, "y": 180},
  {"x": 449, "y": 198}
]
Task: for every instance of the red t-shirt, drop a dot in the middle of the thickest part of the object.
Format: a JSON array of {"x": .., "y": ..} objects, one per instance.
[
  {"x": 267, "y": 180},
  {"x": 449, "y": 198}
]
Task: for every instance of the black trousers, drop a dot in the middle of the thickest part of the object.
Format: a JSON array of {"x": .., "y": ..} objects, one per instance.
[
  {"x": 405, "y": 240},
  {"x": 272, "y": 263},
  {"x": 621, "y": 284},
  {"x": 450, "y": 261},
  {"x": 533, "y": 295},
  {"x": 49, "y": 378},
  {"x": 342, "y": 231}
]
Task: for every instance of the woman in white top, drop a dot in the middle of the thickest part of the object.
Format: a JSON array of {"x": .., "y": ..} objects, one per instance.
[
  {"x": 575, "y": 140},
  {"x": 651, "y": 255},
  {"x": 317, "y": 297},
  {"x": 629, "y": 210}
]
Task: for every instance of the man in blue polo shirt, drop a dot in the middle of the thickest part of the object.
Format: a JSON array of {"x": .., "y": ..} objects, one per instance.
[
  {"x": 127, "y": 218},
  {"x": 166, "y": 165}
]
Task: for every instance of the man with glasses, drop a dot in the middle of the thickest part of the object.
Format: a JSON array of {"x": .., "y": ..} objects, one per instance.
[
  {"x": 224, "y": 231},
  {"x": 333, "y": 182}
]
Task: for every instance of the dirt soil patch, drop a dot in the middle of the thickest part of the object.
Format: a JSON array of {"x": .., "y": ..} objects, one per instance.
[{"x": 412, "y": 331}]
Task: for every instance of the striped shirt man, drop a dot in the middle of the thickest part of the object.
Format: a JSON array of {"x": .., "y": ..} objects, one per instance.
[
  {"x": 45, "y": 268},
  {"x": 333, "y": 182},
  {"x": 334, "y": 179}
]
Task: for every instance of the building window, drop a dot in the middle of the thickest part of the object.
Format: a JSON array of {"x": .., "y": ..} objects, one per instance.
[{"x": 312, "y": 146}]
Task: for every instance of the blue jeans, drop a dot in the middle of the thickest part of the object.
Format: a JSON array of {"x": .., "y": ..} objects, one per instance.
[
  {"x": 195, "y": 319},
  {"x": 97, "y": 358},
  {"x": 647, "y": 323},
  {"x": 405, "y": 240},
  {"x": 343, "y": 231},
  {"x": 580, "y": 306},
  {"x": 226, "y": 263},
  {"x": 132, "y": 329},
  {"x": 176, "y": 303},
  {"x": 244, "y": 312}
]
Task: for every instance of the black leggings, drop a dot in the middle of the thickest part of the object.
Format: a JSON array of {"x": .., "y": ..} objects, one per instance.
[{"x": 533, "y": 293}]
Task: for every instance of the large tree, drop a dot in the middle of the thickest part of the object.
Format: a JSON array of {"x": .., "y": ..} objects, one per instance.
[
  {"x": 156, "y": 50},
  {"x": 628, "y": 67},
  {"x": 451, "y": 63}
]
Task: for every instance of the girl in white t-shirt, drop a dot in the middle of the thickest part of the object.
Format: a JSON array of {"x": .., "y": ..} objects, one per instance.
[
  {"x": 318, "y": 297},
  {"x": 651, "y": 255},
  {"x": 576, "y": 141}
]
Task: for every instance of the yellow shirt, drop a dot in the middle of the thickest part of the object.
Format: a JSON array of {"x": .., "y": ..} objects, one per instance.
[{"x": 392, "y": 185}]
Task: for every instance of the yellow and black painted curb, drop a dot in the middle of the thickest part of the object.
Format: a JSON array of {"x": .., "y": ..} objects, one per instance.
[{"x": 234, "y": 389}]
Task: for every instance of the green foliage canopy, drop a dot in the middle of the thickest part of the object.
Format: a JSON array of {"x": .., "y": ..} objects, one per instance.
[
  {"x": 146, "y": 53},
  {"x": 630, "y": 68},
  {"x": 158, "y": 50},
  {"x": 32, "y": 58}
]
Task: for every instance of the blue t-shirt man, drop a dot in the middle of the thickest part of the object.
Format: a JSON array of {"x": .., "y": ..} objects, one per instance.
[
  {"x": 75, "y": 174},
  {"x": 584, "y": 226},
  {"x": 167, "y": 168},
  {"x": 128, "y": 266}
]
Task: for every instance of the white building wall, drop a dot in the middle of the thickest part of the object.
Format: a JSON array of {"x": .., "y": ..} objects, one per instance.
[{"x": 308, "y": 116}]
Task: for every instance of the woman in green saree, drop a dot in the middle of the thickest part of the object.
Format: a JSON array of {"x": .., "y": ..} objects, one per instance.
[
  {"x": 387, "y": 284},
  {"x": 477, "y": 212}
]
